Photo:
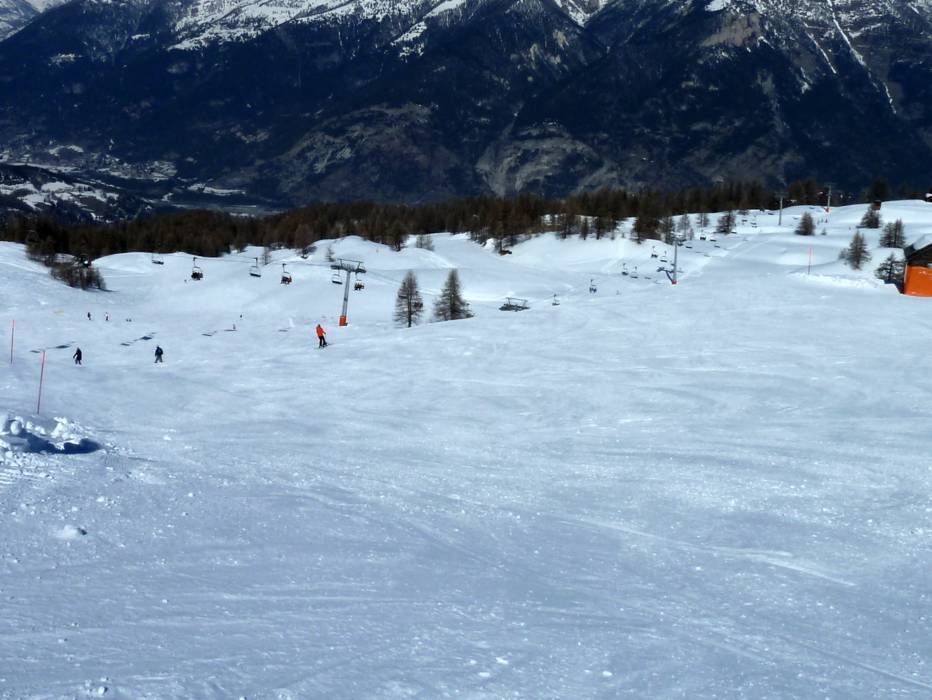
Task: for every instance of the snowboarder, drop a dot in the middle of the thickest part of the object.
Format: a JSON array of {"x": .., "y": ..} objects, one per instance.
[
  {"x": 321, "y": 336},
  {"x": 158, "y": 353},
  {"x": 77, "y": 356}
]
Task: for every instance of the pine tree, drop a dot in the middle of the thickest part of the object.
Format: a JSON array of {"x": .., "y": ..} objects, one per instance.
[
  {"x": 409, "y": 306},
  {"x": 891, "y": 270},
  {"x": 450, "y": 305},
  {"x": 645, "y": 226},
  {"x": 856, "y": 254},
  {"x": 806, "y": 225},
  {"x": 683, "y": 224},
  {"x": 726, "y": 223},
  {"x": 667, "y": 229},
  {"x": 892, "y": 236},
  {"x": 871, "y": 218}
]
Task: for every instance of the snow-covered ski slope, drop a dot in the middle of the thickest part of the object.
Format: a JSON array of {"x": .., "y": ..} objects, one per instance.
[{"x": 714, "y": 490}]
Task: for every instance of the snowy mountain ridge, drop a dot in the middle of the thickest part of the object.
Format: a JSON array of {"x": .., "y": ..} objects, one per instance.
[{"x": 202, "y": 22}]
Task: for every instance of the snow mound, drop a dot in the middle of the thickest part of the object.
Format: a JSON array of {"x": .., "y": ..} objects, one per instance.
[{"x": 38, "y": 436}]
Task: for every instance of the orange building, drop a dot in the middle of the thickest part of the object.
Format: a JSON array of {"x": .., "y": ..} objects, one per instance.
[{"x": 918, "y": 277}]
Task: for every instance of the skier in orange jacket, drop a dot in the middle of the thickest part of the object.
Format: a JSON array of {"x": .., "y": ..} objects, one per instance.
[{"x": 321, "y": 336}]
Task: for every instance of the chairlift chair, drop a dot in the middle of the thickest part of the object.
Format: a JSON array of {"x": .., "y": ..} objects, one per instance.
[
  {"x": 336, "y": 279},
  {"x": 157, "y": 259},
  {"x": 592, "y": 287},
  {"x": 286, "y": 276},
  {"x": 196, "y": 272},
  {"x": 653, "y": 252},
  {"x": 634, "y": 274},
  {"x": 357, "y": 285},
  {"x": 513, "y": 304},
  {"x": 624, "y": 269},
  {"x": 254, "y": 269},
  {"x": 663, "y": 258},
  {"x": 556, "y": 301}
]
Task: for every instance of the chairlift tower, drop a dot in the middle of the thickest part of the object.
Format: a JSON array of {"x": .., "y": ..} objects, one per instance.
[{"x": 350, "y": 267}]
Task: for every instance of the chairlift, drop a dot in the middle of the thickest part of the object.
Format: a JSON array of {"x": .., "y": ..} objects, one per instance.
[
  {"x": 556, "y": 301},
  {"x": 157, "y": 259},
  {"x": 624, "y": 269},
  {"x": 336, "y": 279},
  {"x": 196, "y": 272},
  {"x": 592, "y": 287},
  {"x": 634, "y": 275},
  {"x": 653, "y": 252},
  {"x": 663, "y": 258},
  {"x": 254, "y": 269},
  {"x": 514, "y": 304},
  {"x": 286, "y": 276}
]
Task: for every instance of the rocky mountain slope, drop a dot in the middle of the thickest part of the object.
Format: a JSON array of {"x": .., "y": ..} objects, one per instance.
[
  {"x": 16, "y": 14},
  {"x": 13, "y": 15},
  {"x": 415, "y": 100}
]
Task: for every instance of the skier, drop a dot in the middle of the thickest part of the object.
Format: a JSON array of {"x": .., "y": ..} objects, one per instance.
[
  {"x": 321, "y": 336},
  {"x": 107, "y": 316},
  {"x": 88, "y": 315},
  {"x": 158, "y": 353},
  {"x": 77, "y": 356}
]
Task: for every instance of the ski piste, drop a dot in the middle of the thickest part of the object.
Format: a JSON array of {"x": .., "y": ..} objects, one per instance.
[{"x": 705, "y": 490}]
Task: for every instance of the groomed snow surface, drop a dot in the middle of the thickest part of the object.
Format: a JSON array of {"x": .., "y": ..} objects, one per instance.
[{"x": 714, "y": 490}]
